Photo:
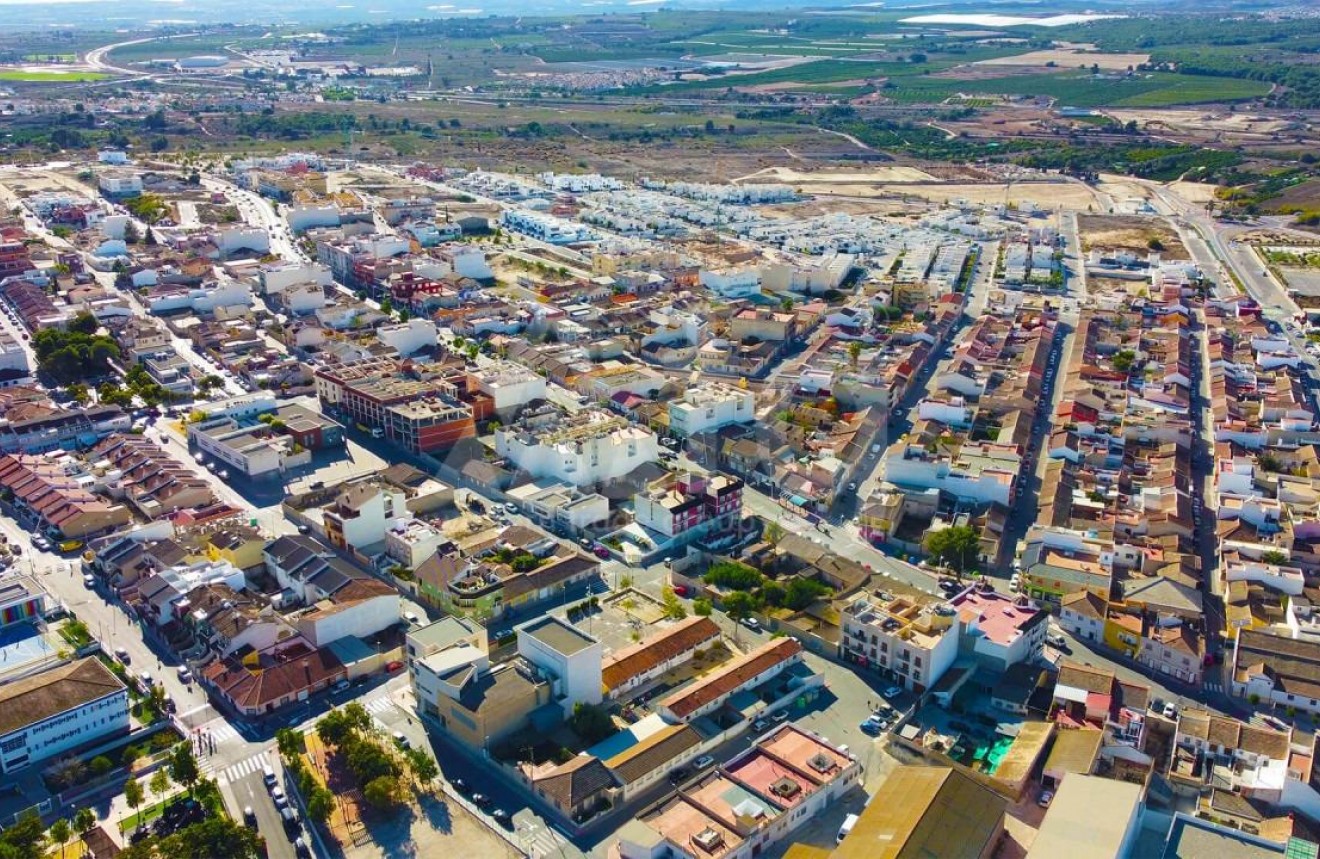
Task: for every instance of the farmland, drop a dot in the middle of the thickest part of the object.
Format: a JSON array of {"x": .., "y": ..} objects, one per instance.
[{"x": 33, "y": 76}]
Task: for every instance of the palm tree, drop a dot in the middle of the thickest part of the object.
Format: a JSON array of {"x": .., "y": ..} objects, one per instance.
[
  {"x": 59, "y": 833},
  {"x": 133, "y": 795}
]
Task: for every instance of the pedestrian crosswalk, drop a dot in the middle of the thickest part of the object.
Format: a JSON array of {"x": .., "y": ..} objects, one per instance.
[
  {"x": 378, "y": 705},
  {"x": 220, "y": 730},
  {"x": 1212, "y": 686},
  {"x": 254, "y": 764},
  {"x": 539, "y": 840}
]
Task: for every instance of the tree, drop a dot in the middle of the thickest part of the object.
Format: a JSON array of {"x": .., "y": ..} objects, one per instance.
[
  {"x": 216, "y": 837},
  {"x": 84, "y": 820},
  {"x": 383, "y": 791},
  {"x": 674, "y": 609},
  {"x": 100, "y": 765},
  {"x": 290, "y": 743},
  {"x": 183, "y": 766},
  {"x": 160, "y": 783},
  {"x": 131, "y": 235},
  {"x": 424, "y": 767},
  {"x": 773, "y": 594},
  {"x": 701, "y": 607},
  {"x": 774, "y": 532},
  {"x": 23, "y": 840},
  {"x": 733, "y": 576},
  {"x": 854, "y": 352},
  {"x": 786, "y": 304},
  {"x": 591, "y": 723},
  {"x": 320, "y": 804},
  {"x": 1274, "y": 556},
  {"x": 957, "y": 547},
  {"x": 77, "y": 392},
  {"x": 60, "y": 832},
  {"x": 133, "y": 795},
  {"x": 129, "y": 755},
  {"x": 801, "y": 593},
  {"x": 739, "y": 605}
]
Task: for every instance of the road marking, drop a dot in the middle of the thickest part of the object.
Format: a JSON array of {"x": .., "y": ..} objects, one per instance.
[{"x": 246, "y": 767}]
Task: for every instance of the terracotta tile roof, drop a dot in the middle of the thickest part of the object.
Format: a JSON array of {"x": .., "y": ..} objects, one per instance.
[
  {"x": 50, "y": 693},
  {"x": 1085, "y": 677},
  {"x": 1086, "y": 604},
  {"x": 682, "y": 637},
  {"x": 652, "y": 753},
  {"x": 254, "y": 689},
  {"x": 575, "y": 782},
  {"x": 732, "y": 677}
]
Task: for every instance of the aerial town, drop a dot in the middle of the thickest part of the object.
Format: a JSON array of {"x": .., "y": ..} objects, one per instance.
[{"x": 361, "y": 502}]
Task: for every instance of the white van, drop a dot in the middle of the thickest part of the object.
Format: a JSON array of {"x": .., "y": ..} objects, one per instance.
[{"x": 848, "y": 823}]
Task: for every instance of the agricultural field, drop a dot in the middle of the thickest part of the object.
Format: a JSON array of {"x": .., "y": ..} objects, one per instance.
[
  {"x": 1076, "y": 89},
  {"x": 52, "y": 76}
]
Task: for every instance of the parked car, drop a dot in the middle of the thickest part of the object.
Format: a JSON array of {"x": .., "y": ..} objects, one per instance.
[
  {"x": 702, "y": 762},
  {"x": 870, "y": 727},
  {"x": 185, "y": 676},
  {"x": 277, "y": 794},
  {"x": 1046, "y": 797},
  {"x": 480, "y": 800},
  {"x": 780, "y": 716},
  {"x": 760, "y": 725},
  {"x": 400, "y": 740},
  {"x": 89, "y": 581},
  {"x": 342, "y": 685},
  {"x": 459, "y": 785},
  {"x": 600, "y": 551},
  {"x": 1057, "y": 641},
  {"x": 1170, "y": 711},
  {"x": 503, "y": 818},
  {"x": 892, "y": 692},
  {"x": 751, "y": 623},
  {"x": 249, "y": 817},
  {"x": 268, "y": 776},
  {"x": 146, "y": 679},
  {"x": 122, "y": 655}
]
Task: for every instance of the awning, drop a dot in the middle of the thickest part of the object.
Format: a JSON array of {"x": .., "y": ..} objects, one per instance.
[{"x": 798, "y": 501}]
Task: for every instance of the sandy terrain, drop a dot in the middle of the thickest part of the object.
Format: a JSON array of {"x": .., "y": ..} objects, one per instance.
[
  {"x": 1130, "y": 233},
  {"x": 873, "y": 174},
  {"x": 1193, "y": 192},
  {"x": 1046, "y": 195},
  {"x": 1069, "y": 59},
  {"x": 1201, "y": 120}
]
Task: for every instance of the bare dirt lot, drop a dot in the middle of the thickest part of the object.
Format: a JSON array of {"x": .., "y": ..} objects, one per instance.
[
  {"x": 886, "y": 174},
  {"x": 1069, "y": 58},
  {"x": 1135, "y": 233},
  {"x": 1045, "y": 195}
]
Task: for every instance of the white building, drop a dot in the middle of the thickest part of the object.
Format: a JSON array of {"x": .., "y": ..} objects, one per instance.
[
  {"x": 412, "y": 541},
  {"x": 232, "y": 240},
  {"x": 303, "y": 298},
  {"x": 710, "y": 406},
  {"x": 732, "y": 282},
  {"x": 362, "y": 513},
  {"x": 203, "y": 299},
  {"x": 510, "y": 385},
  {"x": 253, "y": 450},
  {"x": 569, "y": 657},
  {"x": 278, "y": 277},
  {"x": 360, "y": 609},
  {"x": 551, "y": 503},
  {"x": 590, "y": 447},
  {"x": 910, "y": 643},
  {"x": 55, "y": 711},
  {"x": 119, "y": 184},
  {"x": 303, "y": 218},
  {"x": 12, "y": 355},
  {"x": 455, "y": 261},
  {"x": 1000, "y": 630},
  {"x": 408, "y": 337}
]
